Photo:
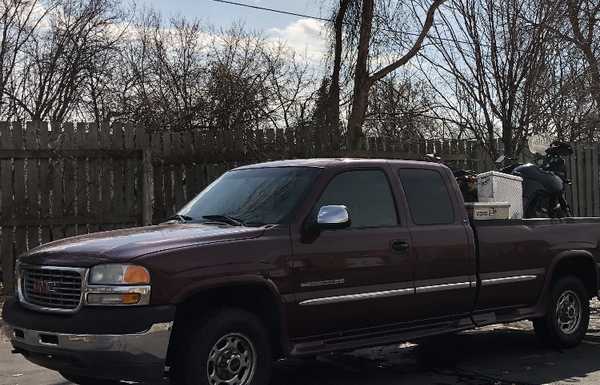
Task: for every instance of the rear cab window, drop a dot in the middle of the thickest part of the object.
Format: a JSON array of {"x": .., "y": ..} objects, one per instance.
[{"x": 428, "y": 198}]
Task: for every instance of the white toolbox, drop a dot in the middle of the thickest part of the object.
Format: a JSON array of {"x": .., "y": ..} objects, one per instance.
[
  {"x": 482, "y": 211},
  {"x": 494, "y": 186}
]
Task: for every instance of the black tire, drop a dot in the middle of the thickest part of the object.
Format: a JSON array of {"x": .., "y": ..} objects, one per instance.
[
  {"x": 248, "y": 338},
  {"x": 81, "y": 380},
  {"x": 568, "y": 314},
  {"x": 565, "y": 210},
  {"x": 537, "y": 208}
]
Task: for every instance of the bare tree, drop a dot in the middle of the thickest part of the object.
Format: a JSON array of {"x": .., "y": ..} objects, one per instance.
[
  {"x": 402, "y": 108},
  {"x": 572, "y": 115},
  {"x": 488, "y": 65},
  {"x": 56, "y": 58},
  {"x": 332, "y": 112},
  {"x": 584, "y": 19},
  {"x": 289, "y": 87},
  {"x": 84, "y": 59},
  {"x": 166, "y": 69},
  {"x": 576, "y": 65},
  {"x": 364, "y": 78},
  {"x": 19, "y": 19}
]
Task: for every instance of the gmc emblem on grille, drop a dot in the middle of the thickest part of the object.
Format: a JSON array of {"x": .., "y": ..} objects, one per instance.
[{"x": 44, "y": 287}]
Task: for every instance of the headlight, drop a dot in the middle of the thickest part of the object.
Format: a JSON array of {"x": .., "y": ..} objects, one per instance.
[
  {"x": 119, "y": 275},
  {"x": 118, "y": 285},
  {"x": 17, "y": 277}
]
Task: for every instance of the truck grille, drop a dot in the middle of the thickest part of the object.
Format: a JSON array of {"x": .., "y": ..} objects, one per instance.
[{"x": 51, "y": 288}]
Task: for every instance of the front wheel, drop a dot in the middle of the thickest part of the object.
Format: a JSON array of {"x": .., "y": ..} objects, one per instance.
[
  {"x": 230, "y": 347},
  {"x": 568, "y": 314}
]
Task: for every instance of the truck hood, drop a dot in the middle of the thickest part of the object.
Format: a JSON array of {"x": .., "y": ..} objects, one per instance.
[{"x": 128, "y": 244}]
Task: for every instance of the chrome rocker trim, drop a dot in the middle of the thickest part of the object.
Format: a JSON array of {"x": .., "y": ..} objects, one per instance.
[
  {"x": 501, "y": 281},
  {"x": 418, "y": 290},
  {"x": 357, "y": 297}
]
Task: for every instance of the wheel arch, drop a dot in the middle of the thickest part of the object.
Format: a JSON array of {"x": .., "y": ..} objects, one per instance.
[
  {"x": 580, "y": 263},
  {"x": 254, "y": 294}
]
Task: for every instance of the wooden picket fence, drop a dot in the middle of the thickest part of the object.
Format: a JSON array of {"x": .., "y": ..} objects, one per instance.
[
  {"x": 583, "y": 169},
  {"x": 63, "y": 180}
]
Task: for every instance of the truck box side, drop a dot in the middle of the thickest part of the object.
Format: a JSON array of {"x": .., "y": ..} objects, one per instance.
[{"x": 516, "y": 258}]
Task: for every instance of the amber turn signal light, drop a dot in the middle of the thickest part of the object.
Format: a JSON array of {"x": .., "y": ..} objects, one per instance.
[
  {"x": 130, "y": 298},
  {"x": 136, "y": 275}
]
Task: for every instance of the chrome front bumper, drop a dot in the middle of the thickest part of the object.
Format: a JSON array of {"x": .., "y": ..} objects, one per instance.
[
  {"x": 127, "y": 356},
  {"x": 153, "y": 342}
]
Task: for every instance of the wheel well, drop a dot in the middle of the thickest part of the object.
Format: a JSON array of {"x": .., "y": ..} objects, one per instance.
[
  {"x": 581, "y": 267},
  {"x": 253, "y": 298}
]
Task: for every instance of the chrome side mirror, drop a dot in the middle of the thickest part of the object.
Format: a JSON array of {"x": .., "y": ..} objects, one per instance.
[{"x": 333, "y": 217}]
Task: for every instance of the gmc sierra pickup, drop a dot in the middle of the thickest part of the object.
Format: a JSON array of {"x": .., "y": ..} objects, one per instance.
[{"x": 296, "y": 258}]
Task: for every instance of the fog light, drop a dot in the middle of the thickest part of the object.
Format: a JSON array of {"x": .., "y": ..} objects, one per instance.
[{"x": 113, "y": 299}]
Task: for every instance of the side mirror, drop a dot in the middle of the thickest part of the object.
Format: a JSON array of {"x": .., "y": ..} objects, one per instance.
[{"x": 333, "y": 217}]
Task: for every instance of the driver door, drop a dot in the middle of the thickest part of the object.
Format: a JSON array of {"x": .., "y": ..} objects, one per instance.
[{"x": 358, "y": 277}]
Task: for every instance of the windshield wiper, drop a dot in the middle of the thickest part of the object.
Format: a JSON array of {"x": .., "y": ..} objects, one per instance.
[
  {"x": 225, "y": 219},
  {"x": 180, "y": 218}
]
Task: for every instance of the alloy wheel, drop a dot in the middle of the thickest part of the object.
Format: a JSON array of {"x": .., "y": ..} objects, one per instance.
[
  {"x": 568, "y": 312},
  {"x": 232, "y": 361}
]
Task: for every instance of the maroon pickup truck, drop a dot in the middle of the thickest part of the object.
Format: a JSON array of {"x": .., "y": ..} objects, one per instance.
[{"x": 296, "y": 258}]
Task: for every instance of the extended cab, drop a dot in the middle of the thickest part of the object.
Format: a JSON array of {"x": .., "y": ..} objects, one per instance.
[{"x": 296, "y": 258}]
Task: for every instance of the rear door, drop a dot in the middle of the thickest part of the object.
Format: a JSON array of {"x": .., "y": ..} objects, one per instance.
[{"x": 442, "y": 241}]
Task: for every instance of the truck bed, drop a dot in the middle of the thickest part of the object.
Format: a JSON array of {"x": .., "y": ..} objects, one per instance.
[{"x": 517, "y": 255}]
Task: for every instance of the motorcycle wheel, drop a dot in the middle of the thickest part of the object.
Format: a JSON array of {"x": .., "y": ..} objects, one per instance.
[
  {"x": 565, "y": 209},
  {"x": 563, "y": 212},
  {"x": 545, "y": 207},
  {"x": 538, "y": 208}
]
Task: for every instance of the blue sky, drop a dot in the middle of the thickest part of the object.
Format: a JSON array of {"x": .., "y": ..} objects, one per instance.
[
  {"x": 305, "y": 36},
  {"x": 223, "y": 14}
]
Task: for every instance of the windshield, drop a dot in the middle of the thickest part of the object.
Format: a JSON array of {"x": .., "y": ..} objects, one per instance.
[{"x": 252, "y": 197}]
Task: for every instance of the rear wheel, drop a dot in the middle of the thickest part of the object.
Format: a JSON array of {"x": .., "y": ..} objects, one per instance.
[
  {"x": 564, "y": 210},
  {"x": 81, "y": 380},
  {"x": 568, "y": 314},
  {"x": 231, "y": 347},
  {"x": 538, "y": 207}
]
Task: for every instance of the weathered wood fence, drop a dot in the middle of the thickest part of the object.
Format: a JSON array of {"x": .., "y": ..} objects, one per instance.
[
  {"x": 63, "y": 180},
  {"x": 583, "y": 169}
]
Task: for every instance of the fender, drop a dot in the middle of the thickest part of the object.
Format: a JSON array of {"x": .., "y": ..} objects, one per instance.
[
  {"x": 227, "y": 281},
  {"x": 256, "y": 280},
  {"x": 560, "y": 257}
]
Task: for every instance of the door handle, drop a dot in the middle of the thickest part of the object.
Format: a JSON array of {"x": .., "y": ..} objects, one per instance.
[{"x": 400, "y": 246}]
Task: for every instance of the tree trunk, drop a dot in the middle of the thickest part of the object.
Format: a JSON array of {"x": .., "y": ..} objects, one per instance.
[
  {"x": 362, "y": 81},
  {"x": 585, "y": 45},
  {"x": 332, "y": 114},
  {"x": 594, "y": 73},
  {"x": 359, "y": 112},
  {"x": 507, "y": 140}
]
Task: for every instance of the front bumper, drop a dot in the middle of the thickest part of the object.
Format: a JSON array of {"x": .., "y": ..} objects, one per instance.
[{"x": 137, "y": 356}]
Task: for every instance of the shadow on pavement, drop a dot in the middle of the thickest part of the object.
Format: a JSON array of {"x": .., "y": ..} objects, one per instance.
[{"x": 500, "y": 357}]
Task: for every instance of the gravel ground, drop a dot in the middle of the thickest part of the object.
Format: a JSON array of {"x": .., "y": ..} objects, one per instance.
[{"x": 499, "y": 355}]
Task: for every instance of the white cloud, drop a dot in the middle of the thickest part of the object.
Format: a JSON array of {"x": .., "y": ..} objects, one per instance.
[{"x": 307, "y": 37}]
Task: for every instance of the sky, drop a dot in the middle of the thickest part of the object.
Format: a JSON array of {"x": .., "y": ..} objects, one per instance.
[{"x": 305, "y": 36}]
